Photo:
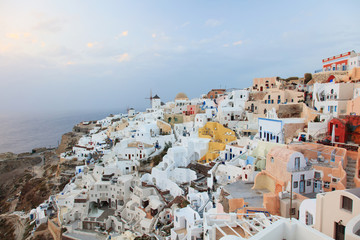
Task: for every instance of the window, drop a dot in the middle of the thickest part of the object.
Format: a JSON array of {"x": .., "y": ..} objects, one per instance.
[
  {"x": 346, "y": 203},
  {"x": 296, "y": 184},
  {"x": 272, "y": 159},
  {"x": 326, "y": 184},
  {"x": 309, "y": 218},
  {"x": 297, "y": 163},
  {"x": 308, "y": 183},
  {"x": 292, "y": 211},
  {"x": 317, "y": 175}
]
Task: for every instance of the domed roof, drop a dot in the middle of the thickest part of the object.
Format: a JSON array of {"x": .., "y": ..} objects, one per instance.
[{"x": 181, "y": 96}]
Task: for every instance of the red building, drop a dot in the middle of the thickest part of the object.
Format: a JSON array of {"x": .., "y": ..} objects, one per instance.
[
  {"x": 190, "y": 110},
  {"x": 346, "y": 129},
  {"x": 336, "y": 63}
]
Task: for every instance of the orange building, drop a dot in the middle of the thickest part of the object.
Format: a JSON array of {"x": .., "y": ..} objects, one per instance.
[{"x": 215, "y": 93}]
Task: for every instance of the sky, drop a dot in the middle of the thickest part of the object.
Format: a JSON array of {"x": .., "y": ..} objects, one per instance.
[{"x": 58, "y": 56}]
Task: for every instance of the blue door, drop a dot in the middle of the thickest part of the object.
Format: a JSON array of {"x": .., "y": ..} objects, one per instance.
[{"x": 302, "y": 186}]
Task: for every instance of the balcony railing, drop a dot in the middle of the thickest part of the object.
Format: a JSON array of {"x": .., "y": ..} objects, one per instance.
[{"x": 299, "y": 169}]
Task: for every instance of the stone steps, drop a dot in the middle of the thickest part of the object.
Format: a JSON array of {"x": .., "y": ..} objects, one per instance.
[{"x": 350, "y": 173}]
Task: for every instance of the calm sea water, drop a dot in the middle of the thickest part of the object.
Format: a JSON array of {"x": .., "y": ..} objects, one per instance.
[{"x": 23, "y": 132}]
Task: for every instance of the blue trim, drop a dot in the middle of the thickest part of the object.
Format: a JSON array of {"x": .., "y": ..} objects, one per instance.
[{"x": 269, "y": 119}]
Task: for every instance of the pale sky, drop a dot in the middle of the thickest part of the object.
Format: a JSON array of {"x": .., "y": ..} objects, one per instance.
[{"x": 69, "y": 55}]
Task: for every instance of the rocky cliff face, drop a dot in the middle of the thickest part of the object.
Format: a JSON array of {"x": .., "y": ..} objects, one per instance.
[
  {"x": 68, "y": 140},
  {"x": 28, "y": 179},
  {"x": 11, "y": 161}
]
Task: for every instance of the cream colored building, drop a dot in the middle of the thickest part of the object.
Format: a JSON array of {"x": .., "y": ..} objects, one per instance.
[{"x": 334, "y": 210}]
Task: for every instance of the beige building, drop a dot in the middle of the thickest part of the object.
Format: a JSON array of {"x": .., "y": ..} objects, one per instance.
[
  {"x": 334, "y": 210},
  {"x": 164, "y": 127},
  {"x": 260, "y": 103},
  {"x": 263, "y": 84}
]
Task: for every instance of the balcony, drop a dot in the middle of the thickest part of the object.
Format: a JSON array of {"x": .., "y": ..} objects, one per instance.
[{"x": 300, "y": 169}]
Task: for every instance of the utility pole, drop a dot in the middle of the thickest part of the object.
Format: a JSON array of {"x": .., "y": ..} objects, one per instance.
[{"x": 291, "y": 190}]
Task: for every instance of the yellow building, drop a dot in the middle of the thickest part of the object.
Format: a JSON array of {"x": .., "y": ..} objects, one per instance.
[{"x": 219, "y": 136}]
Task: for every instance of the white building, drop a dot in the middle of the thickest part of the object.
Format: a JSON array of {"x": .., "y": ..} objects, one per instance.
[
  {"x": 257, "y": 226},
  {"x": 200, "y": 120},
  {"x": 156, "y": 102},
  {"x": 331, "y": 98},
  {"x": 231, "y": 151},
  {"x": 187, "y": 224},
  {"x": 353, "y": 61},
  {"x": 273, "y": 130},
  {"x": 167, "y": 175},
  {"x": 131, "y": 112},
  {"x": 232, "y": 108},
  {"x": 307, "y": 212}
]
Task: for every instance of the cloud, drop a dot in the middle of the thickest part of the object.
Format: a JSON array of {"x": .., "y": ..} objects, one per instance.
[
  {"x": 180, "y": 49},
  {"x": 70, "y": 63},
  {"x": 42, "y": 44},
  {"x": 157, "y": 55},
  {"x": 212, "y": 23},
  {"x": 185, "y": 24},
  {"x": 237, "y": 43},
  {"x": 123, "y": 34},
  {"x": 91, "y": 44},
  {"x": 50, "y": 25},
  {"x": 161, "y": 36},
  {"x": 24, "y": 37},
  {"x": 122, "y": 57},
  {"x": 13, "y": 35},
  {"x": 226, "y": 45},
  {"x": 5, "y": 48}
]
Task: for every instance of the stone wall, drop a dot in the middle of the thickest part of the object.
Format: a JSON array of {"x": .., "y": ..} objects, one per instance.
[{"x": 54, "y": 229}]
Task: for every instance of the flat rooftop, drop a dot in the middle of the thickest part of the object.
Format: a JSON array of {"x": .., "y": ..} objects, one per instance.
[{"x": 244, "y": 190}]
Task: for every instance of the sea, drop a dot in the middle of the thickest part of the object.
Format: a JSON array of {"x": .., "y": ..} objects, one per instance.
[{"x": 20, "y": 132}]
